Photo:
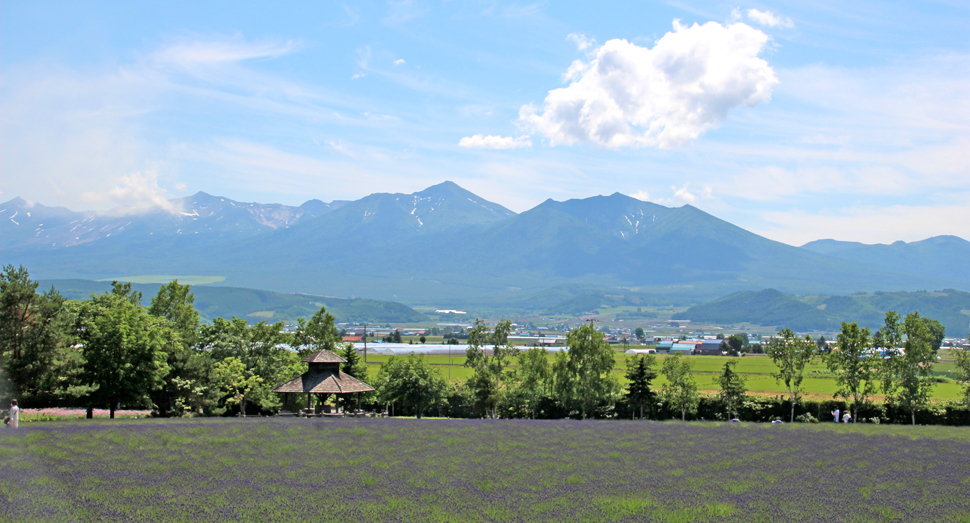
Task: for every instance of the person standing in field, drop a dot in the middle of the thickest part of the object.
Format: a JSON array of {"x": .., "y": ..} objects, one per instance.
[
  {"x": 836, "y": 414},
  {"x": 14, "y": 414},
  {"x": 846, "y": 418}
]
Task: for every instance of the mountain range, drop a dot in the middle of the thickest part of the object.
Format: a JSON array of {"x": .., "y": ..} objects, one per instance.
[{"x": 448, "y": 247}]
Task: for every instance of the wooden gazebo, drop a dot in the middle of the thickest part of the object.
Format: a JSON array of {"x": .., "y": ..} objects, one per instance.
[{"x": 324, "y": 377}]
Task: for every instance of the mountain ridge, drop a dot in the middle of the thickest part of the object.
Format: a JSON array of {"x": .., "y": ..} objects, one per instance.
[{"x": 445, "y": 242}]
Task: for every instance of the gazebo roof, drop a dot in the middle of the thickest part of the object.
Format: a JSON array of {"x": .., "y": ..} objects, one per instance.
[
  {"x": 324, "y": 382},
  {"x": 324, "y": 356}
]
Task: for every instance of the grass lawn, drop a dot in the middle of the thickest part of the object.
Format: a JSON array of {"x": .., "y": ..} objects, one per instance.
[{"x": 274, "y": 469}]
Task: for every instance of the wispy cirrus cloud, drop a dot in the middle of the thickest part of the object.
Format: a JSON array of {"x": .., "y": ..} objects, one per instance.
[
  {"x": 187, "y": 53},
  {"x": 479, "y": 141},
  {"x": 582, "y": 41},
  {"x": 769, "y": 19},
  {"x": 81, "y": 133}
]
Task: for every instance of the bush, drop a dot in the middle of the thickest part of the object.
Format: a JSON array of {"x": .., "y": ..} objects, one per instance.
[{"x": 806, "y": 418}]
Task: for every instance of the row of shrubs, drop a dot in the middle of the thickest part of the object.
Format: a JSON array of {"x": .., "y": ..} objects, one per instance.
[
  {"x": 769, "y": 409},
  {"x": 754, "y": 409}
]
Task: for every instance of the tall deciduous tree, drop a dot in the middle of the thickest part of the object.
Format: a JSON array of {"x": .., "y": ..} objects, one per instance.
[
  {"x": 175, "y": 303},
  {"x": 889, "y": 341},
  {"x": 640, "y": 334},
  {"x": 909, "y": 375},
  {"x": 963, "y": 368},
  {"x": 680, "y": 391},
  {"x": 733, "y": 388},
  {"x": 122, "y": 348},
  {"x": 791, "y": 354},
  {"x": 18, "y": 304},
  {"x": 35, "y": 339},
  {"x": 583, "y": 375},
  {"x": 410, "y": 381},
  {"x": 737, "y": 343},
  {"x": 232, "y": 378},
  {"x": 534, "y": 375},
  {"x": 186, "y": 386},
  {"x": 261, "y": 347},
  {"x": 319, "y": 333},
  {"x": 353, "y": 366},
  {"x": 937, "y": 333},
  {"x": 489, "y": 382},
  {"x": 125, "y": 291},
  {"x": 640, "y": 373},
  {"x": 854, "y": 366}
]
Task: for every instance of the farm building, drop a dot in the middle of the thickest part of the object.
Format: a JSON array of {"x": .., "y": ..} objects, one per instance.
[
  {"x": 641, "y": 351},
  {"x": 709, "y": 348},
  {"x": 684, "y": 348}
]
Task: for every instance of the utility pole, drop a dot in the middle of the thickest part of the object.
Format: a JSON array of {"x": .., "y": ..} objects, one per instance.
[{"x": 365, "y": 342}]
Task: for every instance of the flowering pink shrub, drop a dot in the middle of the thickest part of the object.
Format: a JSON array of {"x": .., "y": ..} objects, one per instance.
[{"x": 58, "y": 413}]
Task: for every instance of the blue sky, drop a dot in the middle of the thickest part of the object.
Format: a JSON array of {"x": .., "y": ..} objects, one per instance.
[{"x": 846, "y": 120}]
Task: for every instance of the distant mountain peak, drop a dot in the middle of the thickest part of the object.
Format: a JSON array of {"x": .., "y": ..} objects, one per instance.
[
  {"x": 447, "y": 184},
  {"x": 621, "y": 215},
  {"x": 17, "y": 202}
]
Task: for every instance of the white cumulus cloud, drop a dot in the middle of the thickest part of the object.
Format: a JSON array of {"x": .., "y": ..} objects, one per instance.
[
  {"x": 135, "y": 192},
  {"x": 643, "y": 196},
  {"x": 479, "y": 141},
  {"x": 399, "y": 61},
  {"x": 769, "y": 19},
  {"x": 661, "y": 97},
  {"x": 684, "y": 195}
]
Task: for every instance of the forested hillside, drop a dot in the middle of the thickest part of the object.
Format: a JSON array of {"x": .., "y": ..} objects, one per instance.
[
  {"x": 257, "y": 305},
  {"x": 825, "y": 313}
]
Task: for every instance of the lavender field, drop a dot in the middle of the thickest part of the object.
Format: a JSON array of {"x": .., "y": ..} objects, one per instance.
[{"x": 444, "y": 470}]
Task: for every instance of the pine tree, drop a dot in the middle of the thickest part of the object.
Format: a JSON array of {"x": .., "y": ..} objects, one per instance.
[
  {"x": 733, "y": 388},
  {"x": 640, "y": 373}
]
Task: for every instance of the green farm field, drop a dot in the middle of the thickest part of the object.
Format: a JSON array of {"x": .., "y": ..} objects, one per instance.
[
  {"x": 166, "y": 278},
  {"x": 292, "y": 469},
  {"x": 818, "y": 383}
]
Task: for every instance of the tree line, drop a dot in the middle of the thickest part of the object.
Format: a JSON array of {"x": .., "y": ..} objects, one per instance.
[
  {"x": 112, "y": 350},
  {"x": 896, "y": 361}
]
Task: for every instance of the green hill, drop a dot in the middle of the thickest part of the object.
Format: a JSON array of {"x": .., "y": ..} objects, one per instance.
[
  {"x": 257, "y": 305},
  {"x": 825, "y": 313},
  {"x": 767, "y": 307}
]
